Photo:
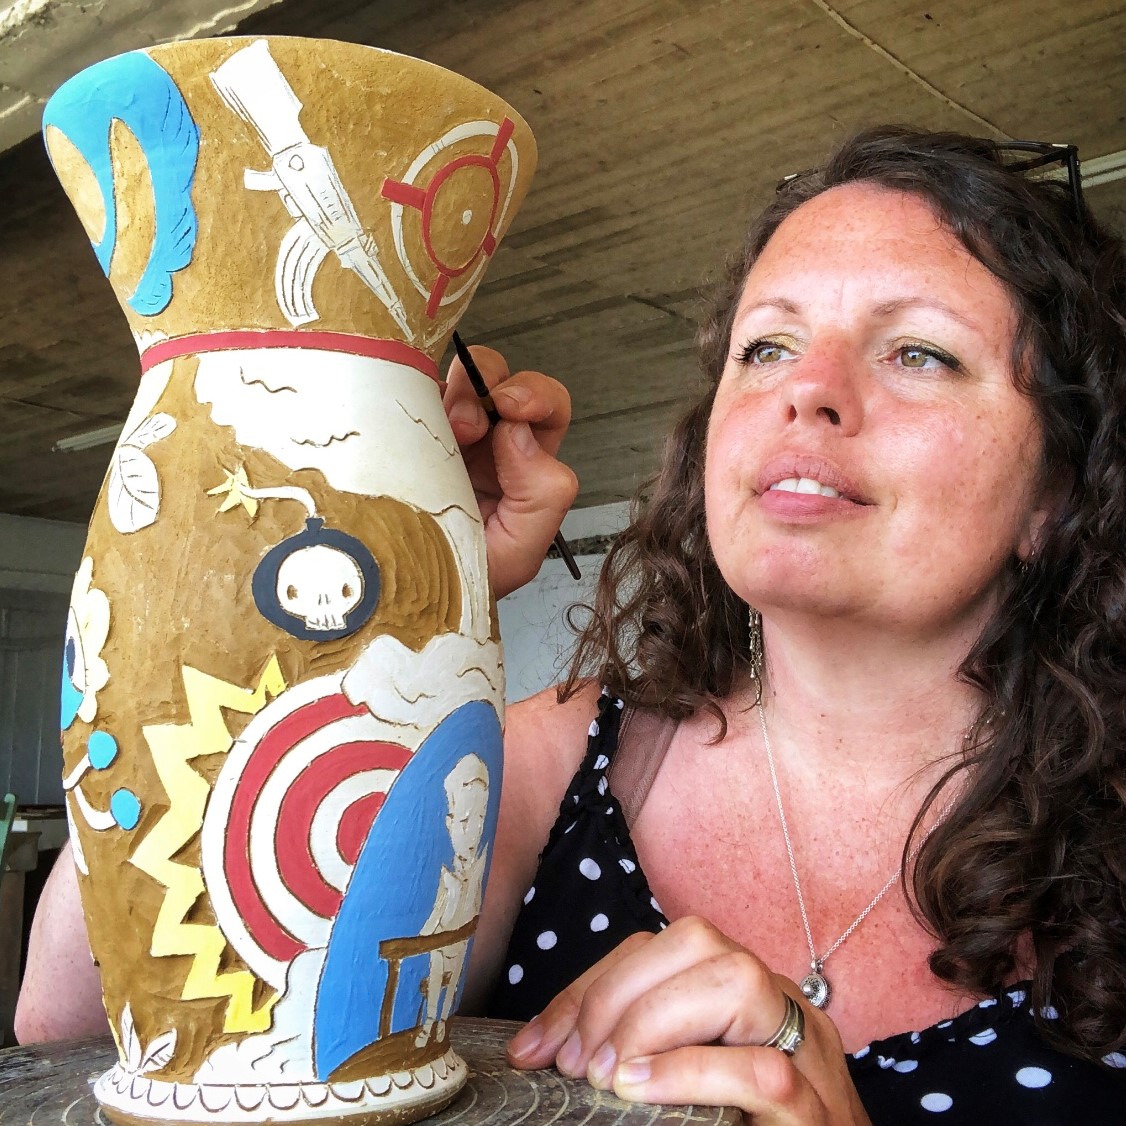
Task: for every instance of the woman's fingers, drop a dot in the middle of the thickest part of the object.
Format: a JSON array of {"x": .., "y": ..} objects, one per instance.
[
  {"x": 683, "y": 1017},
  {"x": 526, "y": 396},
  {"x": 763, "y": 1082},
  {"x": 539, "y": 1041},
  {"x": 688, "y": 984},
  {"x": 522, "y": 490},
  {"x": 731, "y": 998},
  {"x": 536, "y": 491}
]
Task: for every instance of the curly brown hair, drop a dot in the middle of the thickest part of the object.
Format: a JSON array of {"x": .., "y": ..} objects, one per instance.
[{"x": 1032, "y": 857}]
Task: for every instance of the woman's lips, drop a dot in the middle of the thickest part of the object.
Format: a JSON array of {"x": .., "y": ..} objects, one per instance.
[
  {"x": 807, "y": 507},
  {"x": 809, "y": 475},
  {"x": 805, "y": 487}
]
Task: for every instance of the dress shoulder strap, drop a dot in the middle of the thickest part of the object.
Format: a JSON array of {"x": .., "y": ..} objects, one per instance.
[{"x": 642, "y": 744}]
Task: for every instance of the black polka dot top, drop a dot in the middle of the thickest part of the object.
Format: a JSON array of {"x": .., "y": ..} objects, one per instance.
[{"x": 987, "y": 1065}]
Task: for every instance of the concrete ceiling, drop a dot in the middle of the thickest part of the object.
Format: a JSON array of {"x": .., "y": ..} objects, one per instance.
[{"x": 662, "y": 125}]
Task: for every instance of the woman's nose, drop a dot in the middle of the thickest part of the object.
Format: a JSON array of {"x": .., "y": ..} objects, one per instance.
[{"x": 824, "y": 390}]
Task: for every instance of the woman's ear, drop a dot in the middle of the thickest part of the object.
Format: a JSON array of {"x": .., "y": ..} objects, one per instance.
[{"x": 1053, "y": 493}]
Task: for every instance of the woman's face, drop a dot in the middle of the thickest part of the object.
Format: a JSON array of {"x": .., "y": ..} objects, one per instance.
[{"x": 869, "y": 455}]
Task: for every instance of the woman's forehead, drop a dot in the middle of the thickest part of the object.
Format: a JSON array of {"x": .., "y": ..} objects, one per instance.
[
  {"x": 861, "y": 212},
  {"x": 863, "y": 241}
]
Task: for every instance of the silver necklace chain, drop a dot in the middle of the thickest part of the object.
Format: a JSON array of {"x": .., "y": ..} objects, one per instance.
[{"x": 815, "y": 985}]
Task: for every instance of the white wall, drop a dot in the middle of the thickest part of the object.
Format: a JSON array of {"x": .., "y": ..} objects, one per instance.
[{"x": 535, "y": 635}]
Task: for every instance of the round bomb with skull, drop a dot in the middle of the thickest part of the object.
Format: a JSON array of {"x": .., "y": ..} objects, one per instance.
[{"x": 319, "y": 584}]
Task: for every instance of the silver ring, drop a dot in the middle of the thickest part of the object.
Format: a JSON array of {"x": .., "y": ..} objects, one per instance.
[{"x": 791, "y": 1032}]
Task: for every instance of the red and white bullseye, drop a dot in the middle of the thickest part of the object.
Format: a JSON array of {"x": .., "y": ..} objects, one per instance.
[{"x": 287, "y": 819}]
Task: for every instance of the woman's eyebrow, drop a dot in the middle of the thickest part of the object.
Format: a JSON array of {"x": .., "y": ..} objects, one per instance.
[
  {"x": 782, "y": 304},
  {"x": 901, "y": 304}
]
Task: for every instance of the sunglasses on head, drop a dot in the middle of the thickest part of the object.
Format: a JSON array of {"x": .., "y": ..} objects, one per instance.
[{"x": 1031, "y": 155}]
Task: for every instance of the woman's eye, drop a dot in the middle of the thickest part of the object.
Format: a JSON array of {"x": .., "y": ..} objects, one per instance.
[
  {"x": 923, "y": 358},
  {"x": 763, "y": 352}
]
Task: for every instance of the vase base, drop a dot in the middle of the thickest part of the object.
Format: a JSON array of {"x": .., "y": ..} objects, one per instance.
[{"x": 387, "y": 1100}]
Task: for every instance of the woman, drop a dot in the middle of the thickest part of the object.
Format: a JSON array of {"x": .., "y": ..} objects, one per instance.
[{"x": 908, "y": 462}]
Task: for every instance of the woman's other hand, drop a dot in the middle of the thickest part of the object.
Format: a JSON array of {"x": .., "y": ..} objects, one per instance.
[
  {"x": 683, "y": 1017},
  {"x": 523, "y": 490}
]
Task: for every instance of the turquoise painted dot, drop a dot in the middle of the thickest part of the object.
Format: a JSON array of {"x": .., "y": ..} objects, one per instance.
[
  {"x": 101, "y": 749},
  {"x": 126, "y": 809}
]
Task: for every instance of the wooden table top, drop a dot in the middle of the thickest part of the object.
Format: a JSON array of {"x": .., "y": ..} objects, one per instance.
[{"x": 51, "y": 1085}]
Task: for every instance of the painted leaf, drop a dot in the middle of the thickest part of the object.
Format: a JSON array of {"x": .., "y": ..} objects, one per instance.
[
  {"x": 159, "y": 1052},
  {"x": 154, "y": 428},
  {"x": 133, "y": 497},
  {"x": 129, "y": 1041}
]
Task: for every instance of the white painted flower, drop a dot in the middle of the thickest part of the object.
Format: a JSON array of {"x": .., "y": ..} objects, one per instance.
[{"x": 85, "y": 673}]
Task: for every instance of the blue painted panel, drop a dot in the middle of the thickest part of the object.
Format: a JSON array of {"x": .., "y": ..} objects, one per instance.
[{"x": 393, "y": 888}]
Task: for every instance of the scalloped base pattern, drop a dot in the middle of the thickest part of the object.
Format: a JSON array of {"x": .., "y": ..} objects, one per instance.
[{"x": 135, "y": 1100}]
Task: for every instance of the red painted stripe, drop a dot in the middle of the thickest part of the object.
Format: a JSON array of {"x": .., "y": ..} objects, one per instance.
[
  {"x": 406, "y": 194},
  {"x": 355, "y": 825},
  {"x": 501, "y": 143},
  {"x": 393, "y": 350},
  {"x": 436, "y": 292},
  {"x": 277, "y": 942},
  {"x": 296, "y": 865}
]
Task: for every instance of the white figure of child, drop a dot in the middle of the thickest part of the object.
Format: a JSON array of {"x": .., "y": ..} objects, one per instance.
[{"x": 458, "y": 900}]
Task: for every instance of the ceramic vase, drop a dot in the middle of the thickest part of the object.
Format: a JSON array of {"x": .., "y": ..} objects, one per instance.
[{"x": 282, "y": 697}]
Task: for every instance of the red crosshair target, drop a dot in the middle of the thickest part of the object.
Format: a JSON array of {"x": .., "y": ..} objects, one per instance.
[{"x": 408, "y": 195}]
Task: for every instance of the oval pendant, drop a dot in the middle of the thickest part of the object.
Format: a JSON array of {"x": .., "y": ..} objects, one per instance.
[{"x": 815, "y": 986}]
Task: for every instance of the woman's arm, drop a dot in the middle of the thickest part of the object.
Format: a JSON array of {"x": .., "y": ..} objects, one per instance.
[{"x": 61, "y": 995}]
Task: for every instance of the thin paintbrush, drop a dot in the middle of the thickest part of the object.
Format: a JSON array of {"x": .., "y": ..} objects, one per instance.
[{"x": 486, "y": 400}]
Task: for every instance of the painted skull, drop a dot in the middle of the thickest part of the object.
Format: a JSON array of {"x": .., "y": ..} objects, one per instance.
[{"x": 320, "y": 584}]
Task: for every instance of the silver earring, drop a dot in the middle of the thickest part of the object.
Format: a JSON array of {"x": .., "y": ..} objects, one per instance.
[{"x": 754, "y": 638}]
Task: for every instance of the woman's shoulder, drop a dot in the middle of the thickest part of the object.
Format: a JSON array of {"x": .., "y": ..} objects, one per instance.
[{"x": 544, "y": 744}]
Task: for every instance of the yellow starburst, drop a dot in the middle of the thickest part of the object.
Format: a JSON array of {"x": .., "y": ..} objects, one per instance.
[
  {"x": 173, "y": 746},
  {"x": 236, "y": 488}
]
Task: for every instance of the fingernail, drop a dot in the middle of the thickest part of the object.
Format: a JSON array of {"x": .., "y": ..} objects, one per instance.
[
  {"x": 525, "y": 440},
  {"x": 633, "y": 1073},
  {"x": 466, "y": 412},
  {"x": 568, "y": 1057},
  {"x": 514, "y": 393},
  {"x": 527, "y": 1040},
  {"x": 601, "y": 1066}
]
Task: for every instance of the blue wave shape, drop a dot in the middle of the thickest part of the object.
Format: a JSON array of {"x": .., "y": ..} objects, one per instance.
[{"x": 136, "y": 91}]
